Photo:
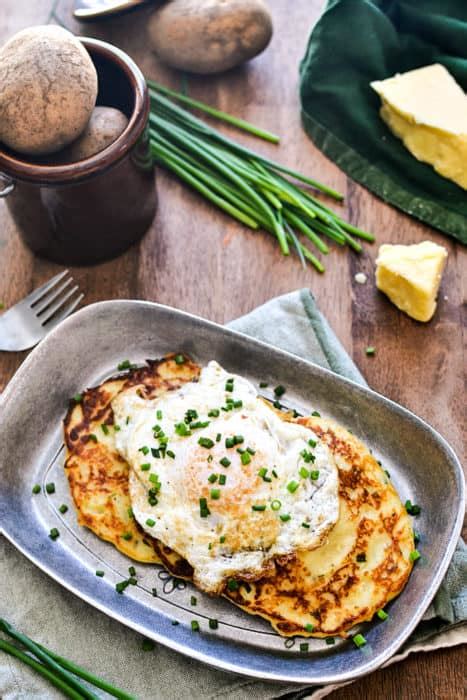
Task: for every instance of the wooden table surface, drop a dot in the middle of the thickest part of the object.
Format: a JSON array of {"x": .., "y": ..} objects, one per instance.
[{"x": 199, "y": 260}]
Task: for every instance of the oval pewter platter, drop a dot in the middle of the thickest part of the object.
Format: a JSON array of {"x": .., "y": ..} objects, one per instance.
[{"x": 84, "y": 350}]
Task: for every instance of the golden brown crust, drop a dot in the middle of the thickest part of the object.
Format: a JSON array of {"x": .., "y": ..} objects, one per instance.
[{"x": 97, "y": 474}]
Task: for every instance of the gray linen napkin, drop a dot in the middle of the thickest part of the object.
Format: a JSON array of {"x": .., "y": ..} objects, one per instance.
[{"x": 53, "y": 616}]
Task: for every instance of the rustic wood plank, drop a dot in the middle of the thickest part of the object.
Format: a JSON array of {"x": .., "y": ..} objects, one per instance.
[{"x": 199, "y": 260}]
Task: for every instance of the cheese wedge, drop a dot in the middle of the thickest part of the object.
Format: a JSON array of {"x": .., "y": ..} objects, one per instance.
[
  {"x": 410, "y": 276},
  {"x": 427, "y": 109}
]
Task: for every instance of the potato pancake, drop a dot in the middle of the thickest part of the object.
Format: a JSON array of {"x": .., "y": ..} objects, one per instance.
[{"x": 97, "y": 474}]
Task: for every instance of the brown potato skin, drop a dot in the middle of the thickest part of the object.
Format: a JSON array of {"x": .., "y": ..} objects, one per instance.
[
  {"x": 209, "y": 36},
  {"x": 48, "y": 89},
  {"x": 104, "y": 127}
]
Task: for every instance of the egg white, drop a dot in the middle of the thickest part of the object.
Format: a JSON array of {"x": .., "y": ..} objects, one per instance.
[{"x": 229, "y": 535}]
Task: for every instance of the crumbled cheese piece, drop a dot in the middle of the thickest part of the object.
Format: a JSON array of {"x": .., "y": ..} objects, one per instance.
[
  {"x": 360, "y": 277},
  {"x": 410, "y": 276}
]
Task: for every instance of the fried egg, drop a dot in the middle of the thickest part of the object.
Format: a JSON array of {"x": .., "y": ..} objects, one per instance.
[{"x": 219, "y": 478}]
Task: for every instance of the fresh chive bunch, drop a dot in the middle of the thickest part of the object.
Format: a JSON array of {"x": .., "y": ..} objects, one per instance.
[
  {"x": 246, "y": 185},
  {"x": 60, "y": 672}
]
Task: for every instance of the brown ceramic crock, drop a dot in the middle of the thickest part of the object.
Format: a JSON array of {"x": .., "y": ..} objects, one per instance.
[{"x": 91, "y": 210}]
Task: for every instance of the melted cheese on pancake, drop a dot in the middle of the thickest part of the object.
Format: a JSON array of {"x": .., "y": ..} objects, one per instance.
[{"x": 277, "y": 494}]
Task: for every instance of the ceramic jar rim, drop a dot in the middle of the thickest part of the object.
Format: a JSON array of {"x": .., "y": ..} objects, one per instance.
[{"x": 13, "y": 166}]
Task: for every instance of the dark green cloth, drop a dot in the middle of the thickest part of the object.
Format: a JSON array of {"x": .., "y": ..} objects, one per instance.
[{"x": 355, "y": 42}]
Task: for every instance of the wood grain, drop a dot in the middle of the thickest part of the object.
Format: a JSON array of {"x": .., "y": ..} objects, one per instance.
[{"x": 199, "y": 260}]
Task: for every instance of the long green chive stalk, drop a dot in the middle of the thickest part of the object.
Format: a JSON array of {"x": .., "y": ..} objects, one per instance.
[
  {"x": 245, "y": 184},
  {"x": 59, "y": 671}
]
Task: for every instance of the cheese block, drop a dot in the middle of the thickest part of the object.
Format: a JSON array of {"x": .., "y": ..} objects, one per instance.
[
  {"x": 427, "y": 109},
  {"x": 410, "y": 276}
]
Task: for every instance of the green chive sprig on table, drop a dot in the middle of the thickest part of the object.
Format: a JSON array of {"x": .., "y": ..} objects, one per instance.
[
  {"x": 60, "y": 672},
  {"x": 246, "y": 185}
]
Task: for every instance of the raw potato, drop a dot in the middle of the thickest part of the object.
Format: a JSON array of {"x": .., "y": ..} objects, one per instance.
[
  {"x": 209, "y": 36},
  {"x": 48, "y": 89},
  {"x": 104, "y": 127}
]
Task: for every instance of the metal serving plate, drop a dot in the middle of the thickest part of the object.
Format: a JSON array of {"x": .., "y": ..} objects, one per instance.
[{"x": 84, "y": 350}]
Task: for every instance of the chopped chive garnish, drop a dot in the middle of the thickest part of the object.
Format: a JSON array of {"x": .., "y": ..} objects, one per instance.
[
  {"x": 127, "y": 536},
  {"x": 238, "y": 403},
  {"x": 144, "y": 450},
  {"x": 214, "y": 413},
  {"x": 359, "y": 640},
  {"x": 314, "y": 474},
  {"x": 213, "y": 624},
  {"x": 193, "y": 600},
  {"x": 50, "y": 487},
  {"x": 154, "y": 479},
  {"x": 150, "y": 522},
  {"x": 127, "y": 420},
  {"x": 218, "y": 437},
  {"x": 121, "y": 585},
  {"x": 222, "y": 539},
  {"x": 145, "y": 467},
  {"x": 285, "y": 517},
  {"x": 304, "y": 646},
  {"x": 206, "y": 442},
  {"x": 182, "y": 429},
  {"x": 130, "y": 512},
  {"x": 279, "y": 391},
  {"x": 212, "y": 478},
  {"x": 155, "y": 453},
  {"x": 263, "y": 385},
  {"x": 307, "y": 456},
  {"x": 105, "y": 429},
  {"x": 274, "y": 473},
  {"x": 147, "y": 645},
  {"x": 277, "y": 404},
  {"x": 191, "y": 415},
  {"x": 414, "y": 555},
  {"x": 240, "y": 450},
  {"x": 132, "y": 571},
  {"x": 170, "y": 454},
  {"x": 199, "y": 424},
  {"x": 154, "y": 593},
  {"x": 251, "y": 450},
  {"x": 412, "y": 508},
  {"x": 125, "y": 364},
  {"x": 179, "y": 359},
  {"x": 225, "y": 462},
  {"x": 36, "y": 488},
  {"x": 312, "y": 443},
  {"x": 54, "y": 533},
  {"x": 258, "y": 507},
  {"x": 306, "y": 525},
  {"x": 304, "y": 473},
  {"x": 262, "y": 472},
  {"x": 316, "y": 413},
  {"x": 222, "y": 479},
  {"x": 159, "y": 415},
  {"x": 229, "y": 385},
  {"x": 361, "y": 557},
  {"x": 194, "y": 626},
  {"x": 174, "y": 623},
  {"x": 116, "y": 428},
  {"x": 370, "y": 350},
  {"x": 77, "y": 398},
  {"x": 232, "y": 584},
  {"x": 330, "y": 641},
  {"x": 238, "y": 439},
  {"x": 203, "y": 508},
  {"x": 210, "y": 546},
  {"x": 387, "y": 473},
  {"x": 416, "y": 536},
  {"x": 382, "y": 614},
  {"x": 245, "y": 458},
  {"x": 276, "y": 505},
  {"x": 230, "y": 442},
  {"x": 100, "y": 573},
  {"x": 292, "y": 486},
  {"x": 63, "y": 508},
  {"x": 215, "y": 494},
  {"x": 309, "y": 627},
  {"x": 92, "y": 437}
]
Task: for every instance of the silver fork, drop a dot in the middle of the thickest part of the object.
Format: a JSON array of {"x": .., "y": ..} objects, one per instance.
[{"x": 28, "y": 321}]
